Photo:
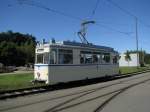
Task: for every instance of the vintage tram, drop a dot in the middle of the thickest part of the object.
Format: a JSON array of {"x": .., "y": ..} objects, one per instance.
[{"x": 71, "y": 61}]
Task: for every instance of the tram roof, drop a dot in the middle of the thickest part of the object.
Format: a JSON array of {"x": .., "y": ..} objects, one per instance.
[
  {"x": 75, "y": 44},
  {"x": 78, "y": 44}
]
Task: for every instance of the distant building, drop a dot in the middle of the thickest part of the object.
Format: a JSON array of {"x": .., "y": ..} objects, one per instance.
[{"x": 133, "y": 62}]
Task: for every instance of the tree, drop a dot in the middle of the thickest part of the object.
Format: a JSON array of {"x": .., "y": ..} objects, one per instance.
[
  {"x": 147, "y": 58},
  {"x": 127, "y": 57},
  {"x": 141, "y": 55},
  {"x": 16, "y": 48}
]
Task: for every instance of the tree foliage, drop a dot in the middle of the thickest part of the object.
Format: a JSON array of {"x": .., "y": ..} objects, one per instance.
[
  {"x": 16, "y": 49},
  {"x": 147, "y": 58},
  {"x": 144, "y": 57},
  {"x": 127, "y": 56}
]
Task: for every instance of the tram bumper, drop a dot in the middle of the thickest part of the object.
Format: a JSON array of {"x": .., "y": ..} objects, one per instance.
[{"x": 41, "y": 73}]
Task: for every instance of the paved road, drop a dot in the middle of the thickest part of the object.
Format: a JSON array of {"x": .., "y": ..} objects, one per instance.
[
  {"x": 136, "y": 99},
  {"x": 124, "y": 95}
]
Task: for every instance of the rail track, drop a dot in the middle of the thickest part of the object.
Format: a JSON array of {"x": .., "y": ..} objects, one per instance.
[
  {"x": 35, "y": 90},
  {"x": 99, "y": 108},
  {"x": 61, "y": 106},
  {"x": 67, "y": 104}
]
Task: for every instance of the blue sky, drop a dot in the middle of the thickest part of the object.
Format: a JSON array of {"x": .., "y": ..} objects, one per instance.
[{"x": 109, "y": 21}]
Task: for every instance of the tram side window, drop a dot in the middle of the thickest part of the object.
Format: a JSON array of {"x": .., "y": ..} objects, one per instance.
[
  {"x": 82, "y": 58},
  {"x": 96, "y": 58},
  {"x": 39, "y": 58},
  {"x": 85, "y": 57},
  {"x": 106, "y": 58},
  {"x": 65, "y": 56},
  {"x": 115, "y": 60},
  {"x": 88, "y": 58}
]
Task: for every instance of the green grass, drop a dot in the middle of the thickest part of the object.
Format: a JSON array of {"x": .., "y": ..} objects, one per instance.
[
  {"x": 124, "y": 70},
  {"x": 16, "y": 81}
]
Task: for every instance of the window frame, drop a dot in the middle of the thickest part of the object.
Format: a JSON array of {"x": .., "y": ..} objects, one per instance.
[
  {"x": 37, "y": 61},
  {"x": 106, "y": 56},
  {"x": 62, "y": 56}
]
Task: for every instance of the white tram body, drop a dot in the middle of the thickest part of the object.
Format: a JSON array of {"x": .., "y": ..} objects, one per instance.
[{"x": 70, "y": 61}]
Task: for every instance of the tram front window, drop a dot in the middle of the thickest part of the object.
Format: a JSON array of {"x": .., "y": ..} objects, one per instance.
[
  {"x": 46, "y": 58},
  {"x": 42, "y": 58},
  {"x": 53, "y": 57},
  {"x": 39, "y": 58}
]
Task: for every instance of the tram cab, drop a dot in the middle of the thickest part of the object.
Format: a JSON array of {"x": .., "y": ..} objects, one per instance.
[{"x": 69, "y": 61}]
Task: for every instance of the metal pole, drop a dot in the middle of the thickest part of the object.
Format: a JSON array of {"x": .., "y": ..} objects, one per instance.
[{"x": 137, "y": 40}]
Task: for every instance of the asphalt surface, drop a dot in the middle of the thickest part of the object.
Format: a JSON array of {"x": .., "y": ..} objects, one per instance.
[
  {"x": 136, "y": 99},
  {"x": 130, "y": 94}
]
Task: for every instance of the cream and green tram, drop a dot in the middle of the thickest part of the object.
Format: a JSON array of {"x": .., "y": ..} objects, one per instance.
[{"x": 70, "y": 61}]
